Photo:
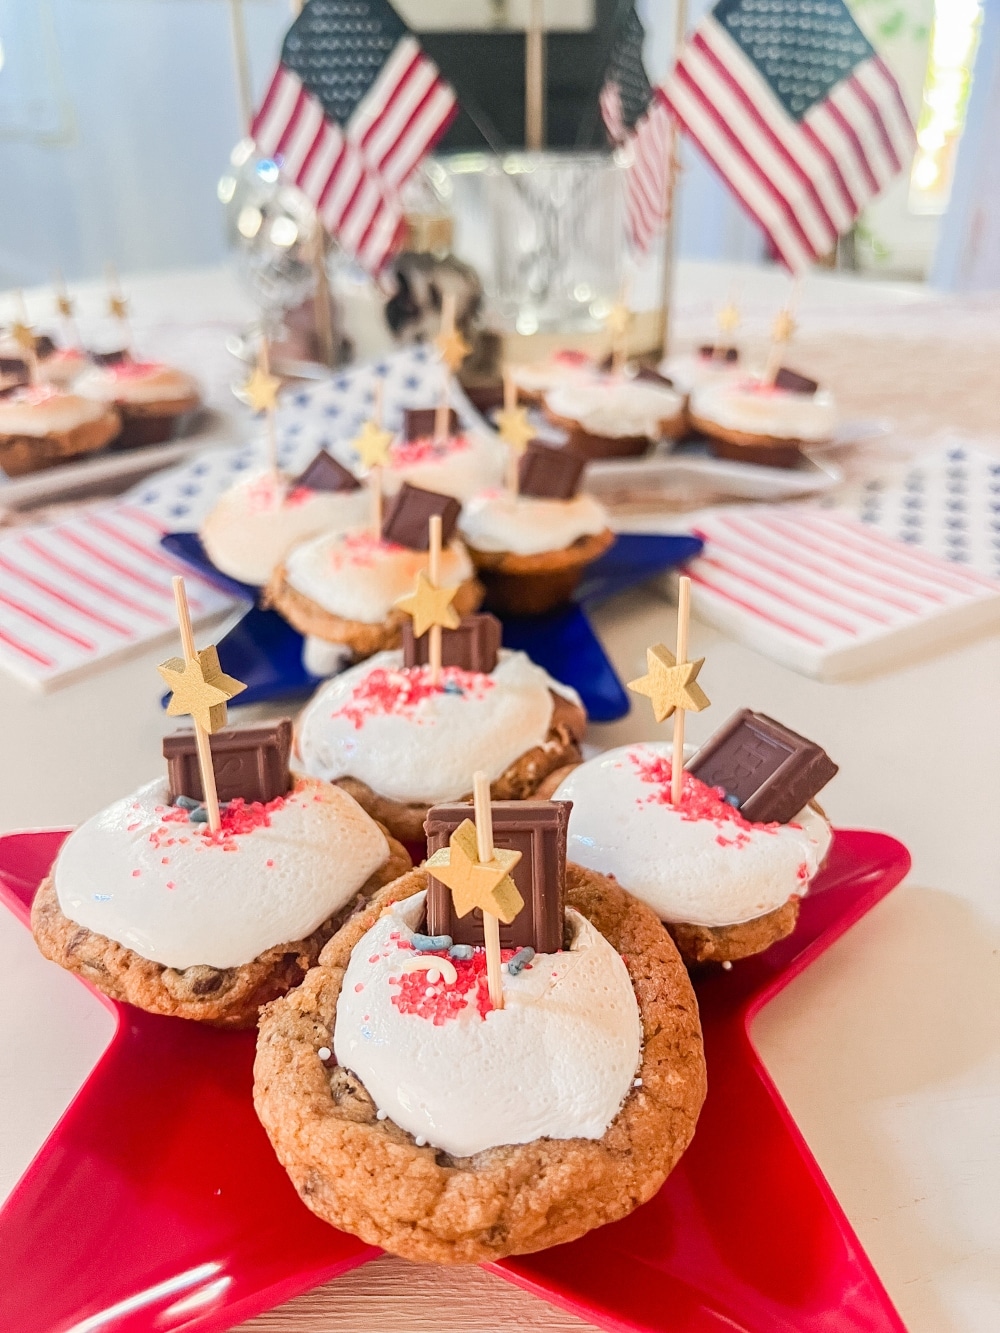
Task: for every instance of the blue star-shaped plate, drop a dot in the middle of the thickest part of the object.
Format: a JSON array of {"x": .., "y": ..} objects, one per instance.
[{"x": 266, "y": 653}]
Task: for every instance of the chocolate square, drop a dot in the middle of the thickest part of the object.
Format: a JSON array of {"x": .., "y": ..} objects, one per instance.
[
  {"x": 474, "y": 646},
  {"x": 324, "y": 473},
  {"x": 14, "y": 365},
  {"x": 44, "y": 346},
  {"x": 251, "y": 762},
  {"x": 794, "y": 382},
  {"x": 110, "y": 358},
  {"x": 719, "y": 353},
  {"x": 407, "y": 519},
  {"x": 548, "y": 473},
  {"x": 772, "y": 771},
  {"x": 418, "y": 422},
  {"x": 647, "y": 375},
  {"x": 536, "y": 829}
]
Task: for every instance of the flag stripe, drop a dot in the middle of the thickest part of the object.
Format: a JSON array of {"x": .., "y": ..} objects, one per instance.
[
  {"x": 812, "y": 163},
  {"x": 774, "y": 163}
]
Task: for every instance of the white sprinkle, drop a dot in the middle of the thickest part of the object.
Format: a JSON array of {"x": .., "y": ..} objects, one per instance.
[
  {"x": 637, "y": 1083},
  {"x": 430, "y": 992},
  {"x": 433, "y": 974},
  {"x": 324, "y": 1052},
  {"x": 420, "y": 1141},
  {"x": 381, "y": 1115},
  {"x": 727, "y": 966},
  {"x": 504, "y": 967}
]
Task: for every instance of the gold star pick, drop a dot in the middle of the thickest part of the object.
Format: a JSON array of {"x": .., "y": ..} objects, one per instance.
[
  {"x": 23, "y": 336},
  {"x": 474, "y": 883},
  {"x": 429, "y": 606},
  {"x": 200, "y": 688},
  {"x": 453, "y": 348},
  {"x": 618, "y": 319},
  {"x": 117, "y": 306},
  {"x": 65, "y": 306},
  {"x": 728, "y": 319},
  {"x": 261, "y": 390},
  {"x": 784, "y": 326},
  {"x": 373, "y": 445},
  {"x": 669, "y": 686},
  {"x": 514, "y": 428}
]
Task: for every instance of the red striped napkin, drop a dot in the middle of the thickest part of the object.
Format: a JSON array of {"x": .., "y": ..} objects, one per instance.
[
  {"x": 829, "y": 596},
  {"x": 87, "y": 589}
]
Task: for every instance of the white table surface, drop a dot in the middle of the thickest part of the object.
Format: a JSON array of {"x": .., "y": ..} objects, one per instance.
[{"x": 887, "y": 1050}]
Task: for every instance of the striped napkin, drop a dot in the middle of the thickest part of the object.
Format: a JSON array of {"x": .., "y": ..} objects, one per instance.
[
  {"x": 829, "y": 596},
  {"x": 88, "y": 589}
]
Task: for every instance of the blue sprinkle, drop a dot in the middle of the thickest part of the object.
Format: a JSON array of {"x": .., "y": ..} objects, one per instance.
[
  {"x": 732, "y": 799},
  {"x": 430, "y": 943},
  {"x": 520, "y": 960},
  {"x": 463, "y": 952},
  {"x": 102, "y": 897},
  {"x": 199, "y": 816},
  {"x": 186, "y": 802},
  {"x": 452, "y": 687}
]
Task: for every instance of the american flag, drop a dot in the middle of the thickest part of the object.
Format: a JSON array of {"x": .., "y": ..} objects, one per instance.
[
  {"x": 829, "y": 596},
  {"x": 353, "y": 108},
  {"x": 83, "y": 591},
  {"x": 793, "y": 106},
  {"x": 635, "y": 115}
]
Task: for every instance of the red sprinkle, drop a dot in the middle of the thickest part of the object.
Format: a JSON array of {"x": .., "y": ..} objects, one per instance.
[
  {"x": 400, "y": 691},
  {"x": 698, "y": 800},
  {"x": 136, "y": 874},
  {"x": 425, "y": 449},
  {"x": 446, "y": 1002}
]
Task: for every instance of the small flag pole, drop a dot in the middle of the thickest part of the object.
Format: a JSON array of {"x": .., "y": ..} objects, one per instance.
[
  {"x": 241, "y": 57},
  {"x": 534, "y": 78},
  {"x": 484, "y": 847},
  {"x": 670, "y": 200},
  {"x": 447, "y": 333},
  {"x": 264, "y": 361},
  {"x": 510, "y": 406}
]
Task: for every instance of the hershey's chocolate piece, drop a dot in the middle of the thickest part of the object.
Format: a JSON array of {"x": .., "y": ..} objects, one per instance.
[
  {"x": 110, "y": 358},
  {"x": 14, "y": 365},
  {"x": 549, "y": 473},
  {"x": 771, "y": 771},
  {"x": 407, "y": 518},
  {"x": 719, "y": 353},
  {"x": 418, "y": 422},
  {"x": 794, "y": 382},
  {"x": 324, "y": 473},
  {"x": 536, "y": 829},
  {"x": 474, "y": 646},
  {"x": 647, "y": 375},
  {"x": 251, "y": 762},
  {"x": 44, "y": 346}
]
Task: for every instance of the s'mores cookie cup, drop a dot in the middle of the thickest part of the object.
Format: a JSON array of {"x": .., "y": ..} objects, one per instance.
[
  {"x": 344, "y": 589},
  {"x": 59, "y": 366},
  {"x": 725, "y": 868},
  {"x": 531, "y": 546},
  {"x": 564, "y": 369},
  {"x": 258, "y": 520},
  {"x": 616, "y": 417},
  {"x": 400, "y": 741},
  {"x": 152, "y": 907},
  {"x": 499, "y": 1054},
  {"x": 457, "y": 462},
  {"x": 149, "y": 396},
  {"x": 41, "y": 426},
  {"x": 749, "y": 419}
]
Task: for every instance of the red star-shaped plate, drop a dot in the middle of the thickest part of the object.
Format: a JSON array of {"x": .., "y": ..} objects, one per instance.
[{"x": 157, "y": 1205}]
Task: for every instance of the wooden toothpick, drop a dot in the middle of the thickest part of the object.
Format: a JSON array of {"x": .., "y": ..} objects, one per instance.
[
  {"x": 24, "y": 336},
  {"x": 118, "y": 306},
  {"x": 479, "y": 876},
  {"x": 453, "y": 349},
  {"x": 66, "y": 308},
  {"x": 681, "y": 657},
  {"x": 781, "y": 335},
  {"x": 199, "y": 687},
  {"x": 514, "y": 429},
  {"x": 491, "y": 923},
  {"x": 261, "y": 390},
  {"x": 671, "y": 685},
  {"x": 429, "y": 604}
]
